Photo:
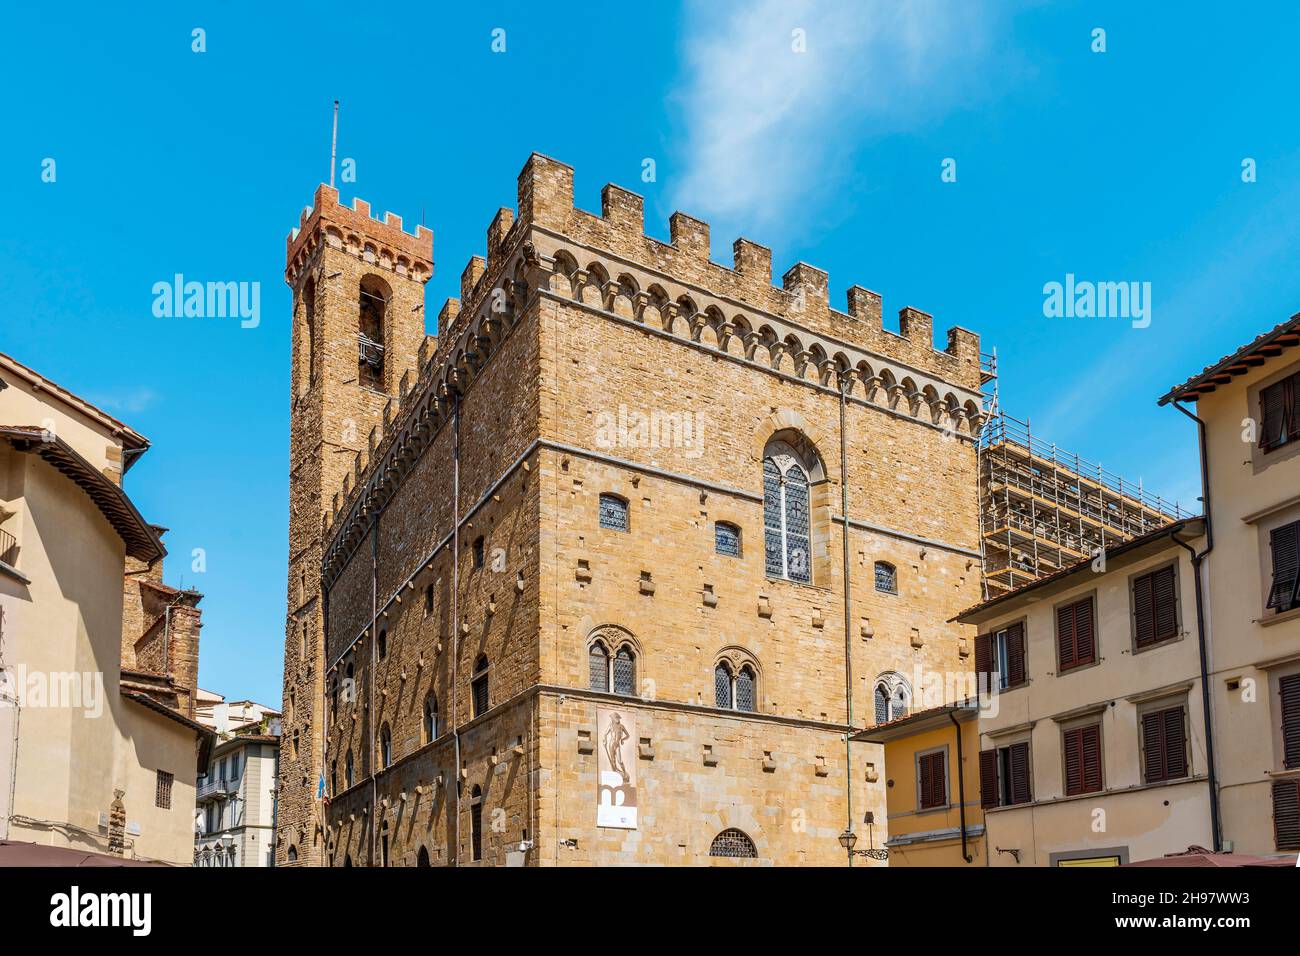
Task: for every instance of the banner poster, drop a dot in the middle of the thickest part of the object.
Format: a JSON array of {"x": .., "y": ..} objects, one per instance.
[{"x": 616, "y": 752}]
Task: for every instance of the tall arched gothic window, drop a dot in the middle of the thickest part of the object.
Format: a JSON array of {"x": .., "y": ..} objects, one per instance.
[{"x": 786, "y": 522}]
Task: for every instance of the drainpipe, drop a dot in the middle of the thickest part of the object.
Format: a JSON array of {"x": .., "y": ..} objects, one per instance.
[
  {"x": 455, "y": 612},
  {"x": 373, "y": 678},
  {"x": 1197, "y": 559},
  {"x": 848, "y": 617},
  {"x": 961, "y": 788}
]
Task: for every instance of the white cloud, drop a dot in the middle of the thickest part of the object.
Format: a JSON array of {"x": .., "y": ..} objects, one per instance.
[
  {"x": 129, "y": 400},
  {"x": 767, "y": 129}
]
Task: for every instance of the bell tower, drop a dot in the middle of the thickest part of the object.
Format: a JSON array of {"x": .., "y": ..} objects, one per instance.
[{"x": 358, "y": 325}]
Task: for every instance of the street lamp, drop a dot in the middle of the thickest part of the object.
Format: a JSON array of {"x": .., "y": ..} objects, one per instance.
[{"x": 848, "y": 839}]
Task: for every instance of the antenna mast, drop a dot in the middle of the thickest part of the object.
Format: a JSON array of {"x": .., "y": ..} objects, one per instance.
[{"x": 334, "y": 142}]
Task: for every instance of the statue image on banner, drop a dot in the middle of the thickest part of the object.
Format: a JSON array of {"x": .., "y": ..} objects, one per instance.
[{"x": 616, "y": 763}]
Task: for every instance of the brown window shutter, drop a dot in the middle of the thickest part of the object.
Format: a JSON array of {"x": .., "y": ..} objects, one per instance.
[
  {"x": 983, "y": 661},
  {"x": 1286, "y": 814},
  {"x": 1289, "y": 690},
  {"x": 933, "y": 792},
  {"x": 1165, "y": 600},
  {"x": 1273, "y": 411},
  {"x": 1144, "y": 612},
  {"x": 988, "y": 778},
  {"x": 1065, "y": 637},
  {"x": 1072, "y": 746},
  {"x": 1153, "y": 747},
  {"x": 1284, "y": 542},
  {"x": 1018, "y": 760},
  {"x": 1016, "y": 655},
  {"x": 1090, "y": 743},
  {"x": 1293, "y": 385},
  {"x": 1085, "y": 643}
]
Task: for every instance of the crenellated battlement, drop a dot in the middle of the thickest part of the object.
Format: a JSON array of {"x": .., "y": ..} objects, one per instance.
[
  {"x": 545, "y": 197},
  {"x": 383, "y": 242}
]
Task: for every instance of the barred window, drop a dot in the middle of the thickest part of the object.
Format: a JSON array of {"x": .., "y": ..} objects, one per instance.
[
  {"x": 733, "y": 843},
  {"x": 786, "y": 543},
  {"x": 613, "y": 513},
  {"x": 886, "y": 578},
  {"x": 598, "y": 667},
  {"x": 726, "y": 539},
  {"x": 722, "y": 686},
  {"x": 745, "y": 689},
  {"x": 385, "y": 747},
  {"x": 163, "y": 793},
  {"x": 624, "y": 671},
  {"x": 479, "y": 685},
  {"x": 476, "y": 823}
]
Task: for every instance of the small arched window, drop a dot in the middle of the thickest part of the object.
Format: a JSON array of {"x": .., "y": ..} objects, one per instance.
[
  {"x": 479, "y": 685},
  {"x": 598, "y": 667},
  {"x": 893, "y": 698},
  {"x": 385, "y": 747},
  {"x": 347, "y": 771},
  {"x": 613, "y": 512},
  {"x": 428, "y": 600},
  {"x": 733, "y": 843},
  {"x": 430, "y": 719},
  {"x": 786, "y": 526},
  {"x": 886, "y": 578},
  {"x": 478, "y": 551},
  {"x": 383, "y": 644},
  {"x": 726, "y": 539},
  {"x": 735, "y": 689},
  {"x": 334, "y": 777},
  {"x": 422, "y": 858},
  {"x": 722, "y": 686},
  {"x": 293, "y": 854}
]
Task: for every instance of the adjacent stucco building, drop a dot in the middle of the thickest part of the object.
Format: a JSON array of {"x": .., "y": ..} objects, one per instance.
[
  {"x": 98, "y": 747},
  {"x": 1248, "y": 406}
]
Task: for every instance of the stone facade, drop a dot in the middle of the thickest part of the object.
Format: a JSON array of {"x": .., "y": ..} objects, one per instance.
[{"x": 465, "y": 569}]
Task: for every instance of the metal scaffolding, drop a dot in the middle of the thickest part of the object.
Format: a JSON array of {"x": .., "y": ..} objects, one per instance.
[{"x": 1043, "y": 509}]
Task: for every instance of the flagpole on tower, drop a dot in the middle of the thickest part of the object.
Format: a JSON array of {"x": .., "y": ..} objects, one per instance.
[{"x": 334, "y": 142}]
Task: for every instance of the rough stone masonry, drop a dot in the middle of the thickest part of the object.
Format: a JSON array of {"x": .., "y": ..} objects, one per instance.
[{"x": 491, "y": 540}]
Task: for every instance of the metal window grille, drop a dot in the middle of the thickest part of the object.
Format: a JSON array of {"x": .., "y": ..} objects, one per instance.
[
  {"x": 598, "y": 667},
  {"x": 886, "y": 578},
  {"x": 733, "y": 843},
  {"x": 773, "y": 545},
  {"x": 798, "y": 565},
  {"x": 745, "y": 690},
  {"x": 722, "y": 686},
  {"x": 624, "y": 672},
  {"x": 882, "y": 705},
  {"x": 726, "y": 539},
  {"x": 163, "y": 795},
  {"x": 613, "y": 513}
]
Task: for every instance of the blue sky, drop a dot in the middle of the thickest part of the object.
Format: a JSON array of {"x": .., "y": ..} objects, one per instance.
[{"x": 1116, "y": 166}]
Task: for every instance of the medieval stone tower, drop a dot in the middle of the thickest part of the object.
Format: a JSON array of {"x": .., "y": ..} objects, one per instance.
[
  {"x": 611, "y": 571},
  {"x": 358, "y": 328}
]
